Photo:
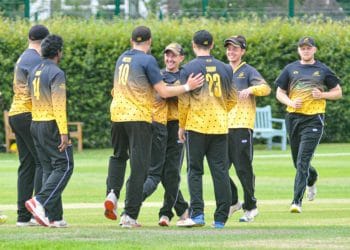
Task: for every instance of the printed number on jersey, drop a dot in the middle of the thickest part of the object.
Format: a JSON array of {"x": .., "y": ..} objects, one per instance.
[
  {"x": 214, "y": 82},
  {"x": 36, "y": 84},
  {"x": 123, "y": 73}
]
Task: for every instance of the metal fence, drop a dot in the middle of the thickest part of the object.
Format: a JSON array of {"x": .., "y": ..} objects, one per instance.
[{"x": 128, "y": 9}]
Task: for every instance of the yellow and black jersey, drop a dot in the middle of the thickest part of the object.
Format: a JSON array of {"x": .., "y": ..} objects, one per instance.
[
  {"x": 205, "y": 110},
  {"x": 243, "y": 114},
  {"x": 47, "y": 84},
  {"x": 22, "y": 102},
  {"x": 299, "y": 80},
  {"x": 133, "y": 96}
]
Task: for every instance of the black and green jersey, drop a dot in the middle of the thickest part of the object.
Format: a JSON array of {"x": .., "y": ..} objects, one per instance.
[
  {"x": 47, "y": 84},
  {"x": 299, "y": 80},
  {"x": 22, "y": 102}
]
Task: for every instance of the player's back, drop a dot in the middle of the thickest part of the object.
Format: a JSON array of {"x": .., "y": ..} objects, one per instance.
[
  {"x": 135, "y": 73},
  {"x": 208, "y": 104},
  {"x": 21, "y": 103}
]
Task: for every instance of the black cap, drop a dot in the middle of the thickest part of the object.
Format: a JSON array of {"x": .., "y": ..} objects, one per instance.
[
  {"x": 141, "y": 34},
  {"x": 38, "y": 32},
  {"x": 175, "y": 48},
  {"x": 203, "y": 38},
  {"x": 237, "y": 41},
  {"x": 309, "y": 41}
]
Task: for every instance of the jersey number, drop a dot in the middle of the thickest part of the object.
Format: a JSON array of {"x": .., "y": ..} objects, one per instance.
[
  {"x": 36, "y": 84},
  {"x": 214, "y": 82},
  {"x": 123, "y": 74}
]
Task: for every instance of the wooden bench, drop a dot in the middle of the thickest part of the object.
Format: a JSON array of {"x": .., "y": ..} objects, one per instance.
[
  {"x": 264, "y": 127},
  {"x": 75, "y": 131}
]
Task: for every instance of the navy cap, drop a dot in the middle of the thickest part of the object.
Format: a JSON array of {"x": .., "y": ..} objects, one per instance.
[
  {"x": 203, "y": 38},
  {"x": 309, "y": 41},
  {"x": 141, "y": 34},
  {"x": 237, "y": 41}
]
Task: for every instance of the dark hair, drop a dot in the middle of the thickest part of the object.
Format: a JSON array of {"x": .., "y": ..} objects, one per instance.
[
  {"x": 51, "y": 46},
  {"x": 38, "y": 32}
]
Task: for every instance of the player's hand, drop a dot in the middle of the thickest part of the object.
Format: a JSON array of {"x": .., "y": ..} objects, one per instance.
[
  {"x": 316, "y": 93},
  {"x": 64, "y": 143},
  {"x": 297, "y": 103},
  {"x": 181, "y": 134},
  {"x": 195, "y": 81},
  {"x": 245, "y": 93}
]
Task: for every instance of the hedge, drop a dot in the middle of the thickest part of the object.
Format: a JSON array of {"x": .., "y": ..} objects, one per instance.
[{"x": 92, "y": 47}]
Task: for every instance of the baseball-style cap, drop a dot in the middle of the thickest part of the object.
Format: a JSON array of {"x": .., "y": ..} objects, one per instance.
[
  {"x": 175, "y": 48},
  {"x": 237, "y": 41},
  {"x": 203, "y": 37},
  {"x": 38, "y": 32},
  {"x": 141, "y": 34},
  {"x": 309, "y": 41}
]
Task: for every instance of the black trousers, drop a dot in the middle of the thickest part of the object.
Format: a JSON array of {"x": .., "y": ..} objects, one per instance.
[
  {"x": 166, "y": 162},
  {"x": 130, "y": 140},
  {"x": 30, "y": 172},
  {"x": 304, "y": 132},
  {"x": 240, "y": 145},
  {"x": 57, "y": 166},
  {"x": 214, "y": 147}
]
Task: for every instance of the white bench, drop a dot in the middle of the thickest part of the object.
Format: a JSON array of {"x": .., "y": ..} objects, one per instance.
[{"x": 264, "y": 128}]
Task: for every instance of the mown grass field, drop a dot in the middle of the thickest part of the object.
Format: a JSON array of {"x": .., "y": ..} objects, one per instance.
[{"x": 324, "y": 223}]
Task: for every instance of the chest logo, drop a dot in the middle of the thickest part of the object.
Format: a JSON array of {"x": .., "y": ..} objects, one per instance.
[
  {"x": 295, "y": 72},
  {"x": 241, "y": 75},
  {"x": 316, "y": 73}
]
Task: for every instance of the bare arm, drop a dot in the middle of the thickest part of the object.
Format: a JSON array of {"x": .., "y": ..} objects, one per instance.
[
  {"x": 193, "y": 82},
  {"x": 282, "y": 97},
  {"x": 333, "y": 94}
]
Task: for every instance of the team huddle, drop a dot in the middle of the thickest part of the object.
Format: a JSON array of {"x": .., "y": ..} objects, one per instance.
[{"x": 205, "y": 108}]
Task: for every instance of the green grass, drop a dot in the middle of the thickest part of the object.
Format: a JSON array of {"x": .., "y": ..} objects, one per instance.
[{"x": 324, "y": 223}]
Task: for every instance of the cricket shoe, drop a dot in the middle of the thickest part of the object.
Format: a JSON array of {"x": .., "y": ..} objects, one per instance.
[
  {"x": 295, "y": 208},
  {"x": 218, "y": 225},
  {"x": 111, "y": 206},
  {"x": 249, "y": 215},
  {"x": 31, "y": 223},
  {"x": 311, "y": 192},
  {"x": 38, "y": 211},
  {"x": 197, "y": 221},
  {"x": 58, "y": 224},
  {"x": 129, "y": 222},
  {"x": 164, "y": 221},
  {"x": 234, "y": 208}
]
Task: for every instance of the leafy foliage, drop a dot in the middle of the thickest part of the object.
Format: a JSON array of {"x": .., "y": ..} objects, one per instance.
[{"x": 92, "y": 47}]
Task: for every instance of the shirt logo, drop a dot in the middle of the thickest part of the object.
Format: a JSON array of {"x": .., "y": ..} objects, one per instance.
[
  {"x": 316, "y": 73},
  {"x": 241, "y": 75},
  {"x": 127, "y": 59},
  {"x": 295, "y": 72},
  {"x": 210, "y": 69}
]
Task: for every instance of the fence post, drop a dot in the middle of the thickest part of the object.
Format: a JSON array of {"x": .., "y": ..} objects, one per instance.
[
  {"x": 204, "y": 6},
  {"x": 117, "y": 8},
  {"x": 291, "y": 8},
  {"x": 27, "y": 8}
]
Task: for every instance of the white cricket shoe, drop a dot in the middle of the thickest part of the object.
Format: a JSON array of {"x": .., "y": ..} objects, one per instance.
[
  {"x": 31, "y": 223},
  {"x": 38, "y": 211},
  {"x": 111, "y": 206},
  {"x": 164, "y": 221},
  {"x": 295, "y": 208},
  {"x": 234, "y": 208},
  {"x": 58, "y": 224},
  {"x": 249, "y": 215},
  {"x": 311, "y": 192},
  {"x": 129, "y": 222}
]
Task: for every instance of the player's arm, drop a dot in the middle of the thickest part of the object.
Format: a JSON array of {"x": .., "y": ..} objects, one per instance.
[
  {"x": 333, "y": 94},
  {"x": 258, "y": 86},
  {"x": 282, "y": 97},
  {"x": 59, "y": 107},
  {"x": 166, "y": 91}
]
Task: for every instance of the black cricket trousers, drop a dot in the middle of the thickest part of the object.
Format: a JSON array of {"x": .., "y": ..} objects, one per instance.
[
  {"x": 304, "y": 132},
  {"x": 166, "y": 163},
  {"x": 30, "y": 172},
  {"x": 57, "y": 166},
  {"x": 240, "y": 145},
  {"x": 130, "y": 140},
  {"x": 214, "y": 147}
]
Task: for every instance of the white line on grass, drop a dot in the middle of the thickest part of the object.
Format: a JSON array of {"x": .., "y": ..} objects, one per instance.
[
  {"x": 4, "y": 207},
  {"x": 289, "y": 156}
]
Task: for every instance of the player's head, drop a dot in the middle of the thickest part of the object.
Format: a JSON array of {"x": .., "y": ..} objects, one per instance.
[
  {"x": 173, "y": 56},
  {"x": 141, "y": 35},
  {"x": 307, "y": 48},
  {"x": 51, "y": 47},
  {"x": 37, "y": 33},
  {"x": 202, "y": 40},
  {"x": 235, "y": 48}
]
